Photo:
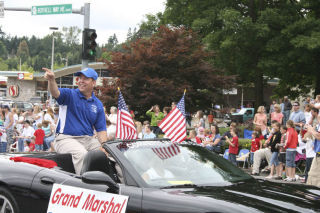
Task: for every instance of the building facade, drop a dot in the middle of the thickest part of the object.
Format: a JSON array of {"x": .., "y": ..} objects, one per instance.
[{"x": 18, "y": 88}]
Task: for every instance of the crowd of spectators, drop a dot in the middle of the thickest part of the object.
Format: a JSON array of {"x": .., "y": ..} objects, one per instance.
[
  {"x": 280, "y": 137},
  {"x": 30, "y": 130}
]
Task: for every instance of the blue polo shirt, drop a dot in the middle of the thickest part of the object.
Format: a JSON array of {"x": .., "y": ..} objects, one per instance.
[{"x": 79, "y": 116}]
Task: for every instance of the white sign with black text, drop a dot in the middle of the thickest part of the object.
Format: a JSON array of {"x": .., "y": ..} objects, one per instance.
[{"x": 72, "y": 199}]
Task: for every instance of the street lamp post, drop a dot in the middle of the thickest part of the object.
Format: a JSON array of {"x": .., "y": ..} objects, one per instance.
[{"x": 52, "y": 58}]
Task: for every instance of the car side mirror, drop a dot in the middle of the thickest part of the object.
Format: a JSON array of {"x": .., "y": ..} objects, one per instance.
[{"x": 97, "y": 177}]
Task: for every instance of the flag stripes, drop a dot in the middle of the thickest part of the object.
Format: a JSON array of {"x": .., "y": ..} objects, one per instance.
[
  {"x": 126, "y": 129},
  {"x": 166, "y": 152},
  {"x": 174, "y": 124}
]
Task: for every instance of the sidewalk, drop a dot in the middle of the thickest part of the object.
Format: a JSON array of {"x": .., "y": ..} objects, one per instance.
[{"x": 263, "y": 175}]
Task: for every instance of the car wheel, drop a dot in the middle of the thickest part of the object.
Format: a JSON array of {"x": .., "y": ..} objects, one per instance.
[{"x": 7, "y": 202}]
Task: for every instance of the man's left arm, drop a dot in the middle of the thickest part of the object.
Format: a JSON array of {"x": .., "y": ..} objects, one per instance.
[
  {"x": 102, "y": 136},
  {"x": 101, "y": 126}
]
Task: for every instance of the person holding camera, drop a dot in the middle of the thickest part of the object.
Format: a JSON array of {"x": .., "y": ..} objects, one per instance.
[{"x": 156, "y": 116}]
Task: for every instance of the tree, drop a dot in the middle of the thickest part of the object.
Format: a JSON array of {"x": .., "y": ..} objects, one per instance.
[
  {"x": 71, "y": 35},
  {"x": 150, "y": 26},
  {"x": 157, "y": 70},
  {"x": 245, "y": 34},
  {"x": 3, "y": 65},
  {"x": 302, "y": 42},
  {"x": 3, "y": 51},
  {"x": 112, "y": 43},
  {"x": 23, "y": 51}
]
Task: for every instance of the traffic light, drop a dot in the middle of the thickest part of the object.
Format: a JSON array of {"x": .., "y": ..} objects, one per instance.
[{"x": 89, "y": 44}]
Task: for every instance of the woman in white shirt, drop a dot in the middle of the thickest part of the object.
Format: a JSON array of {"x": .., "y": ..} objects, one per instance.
[
  {"x": 37, "y": 115},
  {"x": 49, "y": 116},
  {"x": 111, "y": 129}
]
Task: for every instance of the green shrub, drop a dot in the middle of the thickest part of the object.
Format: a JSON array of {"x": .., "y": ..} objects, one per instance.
[
  {"x": 243, "y": 144},
  {"x": 240, "y": 129}
]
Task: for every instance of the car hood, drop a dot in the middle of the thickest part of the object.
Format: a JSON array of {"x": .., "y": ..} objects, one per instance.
[{"x": 252, "y": 196}]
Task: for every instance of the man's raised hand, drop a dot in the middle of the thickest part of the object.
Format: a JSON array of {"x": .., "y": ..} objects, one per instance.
[{"x": 49, "y": 75}]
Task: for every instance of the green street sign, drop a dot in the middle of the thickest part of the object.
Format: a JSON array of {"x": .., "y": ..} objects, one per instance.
[{"x": 51, "y": 9}]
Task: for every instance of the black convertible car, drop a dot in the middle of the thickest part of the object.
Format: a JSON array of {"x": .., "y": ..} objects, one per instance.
[{"x": 157, "y": 176}]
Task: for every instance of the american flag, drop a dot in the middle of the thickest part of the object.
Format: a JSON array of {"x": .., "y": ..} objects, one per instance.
[
  {"x": 174, "y": 124},
  {"x": 125, "y": 126},
  {"x": 166, "y": 152}
]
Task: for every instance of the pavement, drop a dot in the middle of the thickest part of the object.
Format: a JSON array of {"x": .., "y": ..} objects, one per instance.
[{"x": 263, "y": 176}]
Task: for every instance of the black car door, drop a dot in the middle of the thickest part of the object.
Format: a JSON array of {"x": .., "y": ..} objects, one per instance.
[
  {"x": 44, "y": 180},
  {"x": 42, "y": 185}
]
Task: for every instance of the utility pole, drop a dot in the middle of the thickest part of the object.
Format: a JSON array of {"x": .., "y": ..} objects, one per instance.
[
  {"x": 86, "y": 25},
  {"x": 85, "y": 11}
]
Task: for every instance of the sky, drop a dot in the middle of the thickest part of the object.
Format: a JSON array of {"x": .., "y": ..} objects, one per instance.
[{"x": 106, "y": 16}]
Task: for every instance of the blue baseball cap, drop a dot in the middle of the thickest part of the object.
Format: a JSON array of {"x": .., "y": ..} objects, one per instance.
[{"x": 88, "y": 72}]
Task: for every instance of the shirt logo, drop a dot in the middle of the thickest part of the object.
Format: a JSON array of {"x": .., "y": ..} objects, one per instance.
[{"x": 94, "y": 108}]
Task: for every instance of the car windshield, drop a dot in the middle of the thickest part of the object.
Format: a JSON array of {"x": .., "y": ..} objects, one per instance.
[{"x": 164, "y": 164}]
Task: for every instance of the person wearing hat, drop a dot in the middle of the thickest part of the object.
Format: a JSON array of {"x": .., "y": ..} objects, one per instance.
[{"x": 80, "y": 113}]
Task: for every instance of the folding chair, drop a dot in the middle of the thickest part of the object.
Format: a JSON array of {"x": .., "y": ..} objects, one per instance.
[
  {"x": 226, "y": 154},
  {"x": 243, "y": 156},
  {"x": 300, "y": 160},
  {"x": 247, "y": 134}
]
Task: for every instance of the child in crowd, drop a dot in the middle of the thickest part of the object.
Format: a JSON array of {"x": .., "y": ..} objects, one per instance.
[
  {"x": 291, "y": 146},
  {"x": 26, "y": 146},
  {"x": 39, "y": 136},
  {"x": 255, "y": 145},
  {"x": 3, "y": 140},
  {"x": 258, "y": 130},
  {"x": 145, "y": 123},
  {"x": 206, "y": 141},
  {"x": 274, "y": 141},
  {"x": 193, "y": 137},
  {"x": 32, "y": 146},
  {"x": 233, "y": 146},
  {"x": 148, "y": 134},
  {"x": 310, "y": 153},
  {"x": 282, "y": 151}
]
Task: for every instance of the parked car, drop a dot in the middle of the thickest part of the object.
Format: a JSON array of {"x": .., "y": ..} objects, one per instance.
[
  {"x": 158, "y": 176},
  {"x": 22, "y": 105},
  {"x": 243, "y": 115},
  {"x": 6, "y": 102},
  {"x": 35, "y": 100}
]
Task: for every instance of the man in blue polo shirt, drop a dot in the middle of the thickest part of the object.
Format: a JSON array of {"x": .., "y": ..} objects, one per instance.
[{"x": 80, "y": 113}]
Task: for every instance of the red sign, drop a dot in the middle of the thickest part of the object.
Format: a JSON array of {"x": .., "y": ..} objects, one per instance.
[
  {"x": 13, "y": 90},
  {"x": 76, "y": 81}
]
